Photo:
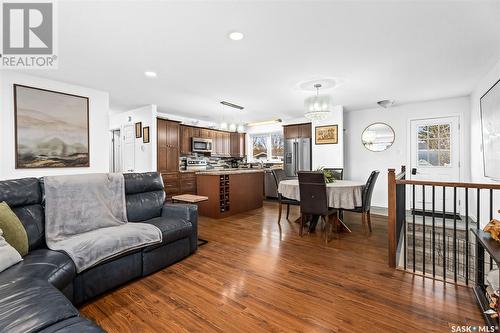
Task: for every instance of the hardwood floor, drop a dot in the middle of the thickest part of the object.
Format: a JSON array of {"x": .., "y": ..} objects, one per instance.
[{"x": 252, "y": 278}]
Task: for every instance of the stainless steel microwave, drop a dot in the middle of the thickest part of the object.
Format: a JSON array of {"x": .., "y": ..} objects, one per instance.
[{"x": 200, "y": 145}]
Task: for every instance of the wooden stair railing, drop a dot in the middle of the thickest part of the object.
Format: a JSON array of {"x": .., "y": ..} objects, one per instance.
[
  {"x": 392, "y": 202},
  {"x": 435, "y": 246}
]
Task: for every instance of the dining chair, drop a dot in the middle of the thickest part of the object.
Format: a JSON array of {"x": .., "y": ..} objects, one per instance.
[
  {"x": 313, "y": 198},
  {"x": 366, "y": 200},
  {"x": 279, "y": 175},
  {"x": 337, "y": 173}
]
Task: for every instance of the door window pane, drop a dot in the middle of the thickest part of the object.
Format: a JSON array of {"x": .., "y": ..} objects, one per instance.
[
  {"x": 434, "y": 148},
  {"x": 422, "y": 132},
  {"x": 433, "y": 131}
]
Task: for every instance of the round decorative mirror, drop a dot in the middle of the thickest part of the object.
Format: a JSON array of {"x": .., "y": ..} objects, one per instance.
[{"x": 378, "y": 137}]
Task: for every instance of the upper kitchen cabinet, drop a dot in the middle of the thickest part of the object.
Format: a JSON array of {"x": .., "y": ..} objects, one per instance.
[
  {"x": 297, "y": 131},
  {"x": 168, "y": 143},
  {"x": 204, "y": 133},
  {"x": 227, "y": 144},
  {"x": 224, "y": 144},
  {"x": 237, "y": 144},
  {"x": 185, "y": 137}
]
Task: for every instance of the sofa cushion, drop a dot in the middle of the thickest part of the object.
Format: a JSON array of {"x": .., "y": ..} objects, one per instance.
[
  {"x": 13, "y": 230},
  {"x": 24, "y": 197},
  {"x": 52, "y": 266},
  {"x": 20, "y": 192},
  {"x": 30, "y": 305},
  {"x": 142, "y": 182},
  {"x": 73, "y": 325},
  {"x": 144, "y": 206},
  {"x": 144, "y": 195},
  {"x": 8, "y": 255},
  {"x": 172, "y": 229}
]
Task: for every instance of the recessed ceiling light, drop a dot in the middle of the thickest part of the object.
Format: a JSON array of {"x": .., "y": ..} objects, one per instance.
[
  {"x": 150, "y": 74},
  {"x": 236, "y": 35}
]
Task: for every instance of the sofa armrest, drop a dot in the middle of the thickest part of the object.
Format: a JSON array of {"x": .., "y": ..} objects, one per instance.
[{"x": 187, "y": 212}]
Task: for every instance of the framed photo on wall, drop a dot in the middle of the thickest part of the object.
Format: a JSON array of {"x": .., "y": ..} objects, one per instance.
[
  {"x": 145, "y": 136},
  {"x": 138, "y": 130},
  {"x": 326, "y": 134},
  {"x": 51, "y": 129}
]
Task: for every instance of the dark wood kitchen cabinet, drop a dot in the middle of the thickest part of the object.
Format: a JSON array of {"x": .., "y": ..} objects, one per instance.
[
  {"x": 224, "y": 143},
  {"x": 237, "y": 142},
  {"x": 297, "y": 131},
  {"x": 168, "y": 137},
  {"x": 188, "y": 182},
  {"x": 186, "y": 133}
]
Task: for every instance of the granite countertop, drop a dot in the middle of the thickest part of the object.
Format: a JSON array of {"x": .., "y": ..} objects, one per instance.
[{"x": 228, "y": 172}]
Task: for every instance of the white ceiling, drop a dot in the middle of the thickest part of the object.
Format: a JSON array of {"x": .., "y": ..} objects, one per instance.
[{"x": 407, "y": 51}]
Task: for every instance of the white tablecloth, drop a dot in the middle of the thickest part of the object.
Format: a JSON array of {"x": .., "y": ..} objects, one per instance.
[{"x": 344, "y": 194}]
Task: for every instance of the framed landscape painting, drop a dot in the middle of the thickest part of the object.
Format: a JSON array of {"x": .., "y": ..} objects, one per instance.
[
  {"x": 327, "y": 134},
  {"x": 52, "y": 129}
]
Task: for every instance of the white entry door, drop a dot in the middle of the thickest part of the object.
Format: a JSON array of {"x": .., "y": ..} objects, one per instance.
[
  {"x": 128, "y": 155},
  {"x": 435, "y": 156}
]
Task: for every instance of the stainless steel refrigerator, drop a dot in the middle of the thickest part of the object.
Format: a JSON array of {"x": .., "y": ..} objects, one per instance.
[{"x": 297, "y": 156}]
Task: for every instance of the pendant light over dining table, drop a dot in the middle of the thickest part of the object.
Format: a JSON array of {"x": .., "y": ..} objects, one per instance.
[{"x": 318, "y": 107}]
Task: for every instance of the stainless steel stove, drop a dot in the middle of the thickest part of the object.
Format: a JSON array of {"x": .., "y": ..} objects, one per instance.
[{"x": 196, "y": 165}]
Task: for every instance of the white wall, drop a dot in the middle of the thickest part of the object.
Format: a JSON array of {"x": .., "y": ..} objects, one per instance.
[
  {"x": 359, "y": 161},
  {"x": 145, "y": 153},
  {"x": 330, "y": 155},
  {"x": 98, "y": 126},
  {"x": 476, "y": 152}
]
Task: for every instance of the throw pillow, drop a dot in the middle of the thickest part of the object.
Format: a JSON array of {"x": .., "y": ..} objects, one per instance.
[
  {"x": 13, "y": 230},
  {"x": 8, "y": 255}
]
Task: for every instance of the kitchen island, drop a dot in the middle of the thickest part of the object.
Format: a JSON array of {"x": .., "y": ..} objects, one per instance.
[{"x": 230, "y": 192}]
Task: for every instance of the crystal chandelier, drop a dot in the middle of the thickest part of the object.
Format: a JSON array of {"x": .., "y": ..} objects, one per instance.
[{"x": 318, "y": 107}]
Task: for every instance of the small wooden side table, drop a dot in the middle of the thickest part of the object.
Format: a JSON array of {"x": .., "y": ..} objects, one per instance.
[{"x": 191, "y": 199}]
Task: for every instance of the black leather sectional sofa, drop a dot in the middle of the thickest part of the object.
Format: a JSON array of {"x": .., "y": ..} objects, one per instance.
[{"x": 39, "y": 293}]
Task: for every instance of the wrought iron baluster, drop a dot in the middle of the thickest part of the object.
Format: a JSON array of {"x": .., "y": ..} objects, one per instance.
[
  {"x": 405, "y": 225},
  {"x": 444, "y": 233},
  {"x": 466, "y": 236},
  {"x": 455, "y": 233},
  {"x": 491, "y": 218},
  {"x": 423, "y": 228},
  {"x": 433, "y": 231},
  {"x": 413, "y": 234}
]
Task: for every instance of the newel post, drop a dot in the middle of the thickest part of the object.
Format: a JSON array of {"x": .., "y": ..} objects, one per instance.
[{"x": 391, "y": 223}]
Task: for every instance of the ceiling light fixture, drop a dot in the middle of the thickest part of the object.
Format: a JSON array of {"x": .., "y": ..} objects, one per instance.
[
  {"x": 318, "y": 107},
  {"x": 232, "y": 127},
  {"x": 386, "y": 103},
  {"x": 236, "y": 35},
  {"x": 240, "y": 129},
  {"x": 232, "y": 105},
  {"x": 265, "y": 122},
  {"x": 150, "y": 74}
]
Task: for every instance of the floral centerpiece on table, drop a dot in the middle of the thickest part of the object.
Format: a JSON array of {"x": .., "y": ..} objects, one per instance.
[{"x": 329, "y": 178}]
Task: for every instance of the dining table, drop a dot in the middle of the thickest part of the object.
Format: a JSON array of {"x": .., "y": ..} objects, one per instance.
[{"x": 341, "y": 194}]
